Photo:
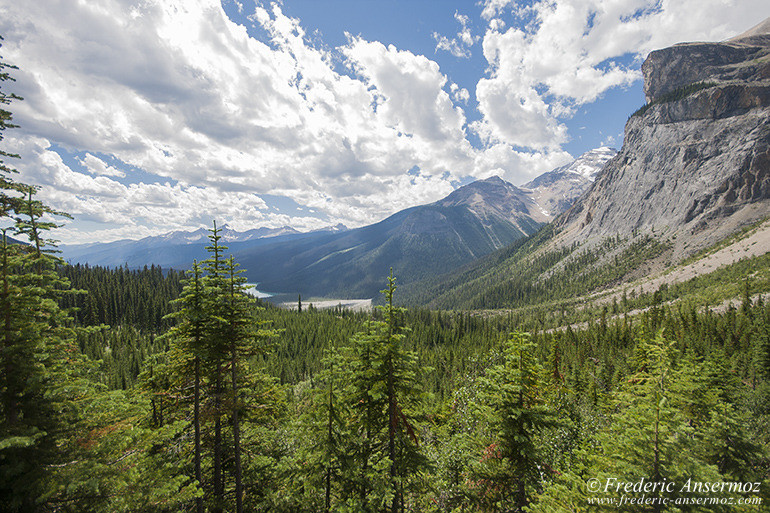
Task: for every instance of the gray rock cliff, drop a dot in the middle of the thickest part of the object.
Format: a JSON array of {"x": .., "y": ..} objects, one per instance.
[
  {"x": 695, "y": 165},
  {"x": 739, "y": 60}
]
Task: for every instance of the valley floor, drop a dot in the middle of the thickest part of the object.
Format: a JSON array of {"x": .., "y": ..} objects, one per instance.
[{"x": 356, "y": 305}]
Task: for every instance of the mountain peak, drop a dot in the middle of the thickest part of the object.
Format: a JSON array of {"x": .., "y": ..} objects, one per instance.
[
  {"x": 477, "y": 191},
  {"x": 494, "y": 196},
  {"x": 339, "y": 227},
  {"x": 591, "y": 162},
  {"x": 556, "y": 191},
  {"x": 586, "y": 166}
]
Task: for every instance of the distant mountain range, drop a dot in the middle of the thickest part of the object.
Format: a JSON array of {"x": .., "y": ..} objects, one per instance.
[
  {"x": 172, "y": 249},
  {"x": 227, "y": 233},
  {"x": 417, "y": 243}
]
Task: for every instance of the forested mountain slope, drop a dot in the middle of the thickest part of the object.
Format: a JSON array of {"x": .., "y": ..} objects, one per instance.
[
  {"x": 599, "y": 386},
  {"x": 418, "y": 242}
]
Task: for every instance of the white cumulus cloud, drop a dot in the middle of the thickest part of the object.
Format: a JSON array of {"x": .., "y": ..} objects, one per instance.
[
  {"x": 556, "y": 55},
  {"x": 460, "y": 45},
  {"x": 177, "y": 89},
  {"x": 97, "y": 166}
]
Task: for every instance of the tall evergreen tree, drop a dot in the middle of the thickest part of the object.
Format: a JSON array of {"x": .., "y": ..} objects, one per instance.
[
  {"x": 36, "y": 342},
  {"x": 8, "y": 187},
  {"x": 386, "y": 398},
  {"x": 245, "y": 338},
  {"x": 322, "y": 426},
  {"x": 216, "y": 352},
  {"x": 651, "y": 438},
  {"x": 217, "y": 331},
  {"x": 515, "y": 404},
  {"x": 189, "y": 337}
]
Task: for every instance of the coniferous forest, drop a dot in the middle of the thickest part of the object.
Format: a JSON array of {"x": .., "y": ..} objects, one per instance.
[{"x": 157, "y": 390}]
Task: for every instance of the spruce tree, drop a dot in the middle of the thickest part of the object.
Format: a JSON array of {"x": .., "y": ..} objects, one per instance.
[
  {"x": 189, "y": 337},
  {"x": 727, "y": 444},
  {"x": 216, "y": 332},
  {"x": 323, "y": 426},
  {"x": 515, "y": 404},
  {"x": 650, "y": 437},
  {"x": 216, "y": 353},
  {"x": 36, "y": 341},
  {"x": 8, "y": 187},
  {"x": 246, "y": 338},
  {"x": 386, "y": 400}
]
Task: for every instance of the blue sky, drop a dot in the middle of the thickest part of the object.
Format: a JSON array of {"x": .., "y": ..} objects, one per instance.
[
  {"x": 413, "y": 25},
  {"x": 142, "y": 117}
]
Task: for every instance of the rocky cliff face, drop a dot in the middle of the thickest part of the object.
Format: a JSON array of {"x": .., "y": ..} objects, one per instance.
[
  {"x": 733, "y": 61},
  {"x": 695, "y": 165}
]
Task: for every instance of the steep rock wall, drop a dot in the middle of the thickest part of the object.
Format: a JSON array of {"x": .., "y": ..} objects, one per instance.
[{"x": 692, "y": 169}]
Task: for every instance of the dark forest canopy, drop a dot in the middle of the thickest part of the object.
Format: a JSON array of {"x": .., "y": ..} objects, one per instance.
[{"x": 471, "y": 392}]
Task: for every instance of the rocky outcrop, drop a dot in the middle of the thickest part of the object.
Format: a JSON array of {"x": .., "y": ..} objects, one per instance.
[
  {"x": 744, "y": 58},
  {"x": 695, "y": 165},
  {"x": 669, "y": 69}
]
